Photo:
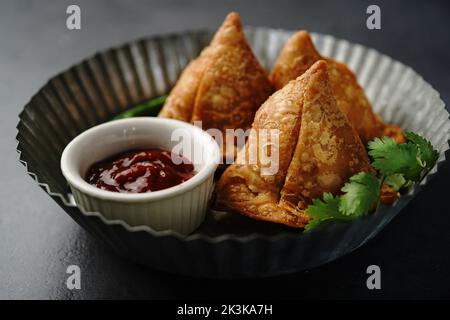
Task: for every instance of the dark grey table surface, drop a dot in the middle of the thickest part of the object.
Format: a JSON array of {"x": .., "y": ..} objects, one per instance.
[{"x": 38, "y": 240}]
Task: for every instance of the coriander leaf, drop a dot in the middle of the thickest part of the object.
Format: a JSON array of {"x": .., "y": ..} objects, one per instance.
[
  {"x": 427, "y": 154},
  {"x": 399, "y": 164},
  {"x": 395, "y": 181},
  {"x": 391, "y": 158},
  {"x": 361, "y": 193},
  {"x": 379, "y": 146},
  {"x": 323, "y": 210}
]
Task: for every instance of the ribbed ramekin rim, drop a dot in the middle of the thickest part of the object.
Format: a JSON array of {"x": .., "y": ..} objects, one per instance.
[{"x": 76, "y": 181}]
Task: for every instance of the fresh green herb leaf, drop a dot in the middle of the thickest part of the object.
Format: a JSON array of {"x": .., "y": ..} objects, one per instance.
[
  {"x": 395, "y": 181},
  {"x": 149, "y": 108},
  {"x": 399, "y": 165},
  {"x": 427, "y": 154},
  {"x": 391, "y": 158},
  {"x": 361, "y": 194},
  {"x": 323, "y": 210}
]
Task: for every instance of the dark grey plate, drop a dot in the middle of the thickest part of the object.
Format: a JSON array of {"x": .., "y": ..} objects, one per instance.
[{"x": 226, "y": 245}]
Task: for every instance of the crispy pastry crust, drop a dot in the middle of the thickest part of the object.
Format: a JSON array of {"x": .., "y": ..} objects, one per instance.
[
  {"x": 224, "y": 86},
  {"x": 318, "y": 151},
  {"x": 299, "y": 54}
]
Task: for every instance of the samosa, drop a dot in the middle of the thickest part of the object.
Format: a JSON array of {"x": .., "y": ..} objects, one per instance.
[
  {"x": 299, "y": 53},
  {"x": 224, "y": 86},
  {"x": 318, "y": 151}
]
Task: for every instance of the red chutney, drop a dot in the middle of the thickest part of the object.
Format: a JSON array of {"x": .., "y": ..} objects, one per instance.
[{"x": 140, "y": 171}]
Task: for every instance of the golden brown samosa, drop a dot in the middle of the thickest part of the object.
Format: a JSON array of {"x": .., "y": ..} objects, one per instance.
[
  {"x": 299, "y": 54},
  {"x": 318, "y": 152},
  {"x": 224, "y": 86}
]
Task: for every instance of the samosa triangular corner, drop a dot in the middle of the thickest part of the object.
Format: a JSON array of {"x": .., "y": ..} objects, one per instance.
[
  {"x": 223, "y": 87},
  {"x": 230, "y": 32},
  {"x": 299, "y": 53},
  {"x": 328, "y": 151},
  {"x": 315, "y": 138}
]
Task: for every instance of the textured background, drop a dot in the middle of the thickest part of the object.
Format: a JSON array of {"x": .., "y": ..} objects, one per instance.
[{"x": 38, "y": 240}]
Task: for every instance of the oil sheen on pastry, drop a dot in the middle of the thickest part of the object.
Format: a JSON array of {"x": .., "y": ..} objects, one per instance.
[
  {"x": 299, "y": 54},
  {"x": 318, "y": 152},
  {"x": 224, "y": 86}
]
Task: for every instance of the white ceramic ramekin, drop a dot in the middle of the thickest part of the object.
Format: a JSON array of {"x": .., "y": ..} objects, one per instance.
[{"x": 180, "y": 208}]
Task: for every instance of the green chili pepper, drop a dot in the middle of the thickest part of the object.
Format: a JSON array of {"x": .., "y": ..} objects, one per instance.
[{"x": 150, "y": 109}]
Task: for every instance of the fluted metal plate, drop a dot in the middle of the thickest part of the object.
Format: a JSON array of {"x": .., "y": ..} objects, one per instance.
[{"x": 100, "y": 87}]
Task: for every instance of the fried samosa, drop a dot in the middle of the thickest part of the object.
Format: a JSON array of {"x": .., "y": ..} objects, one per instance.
[
  {"x": 318, "y": 151},
  {"x": 299, "y": 54},
  {"x": 224, "y": 86}
]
